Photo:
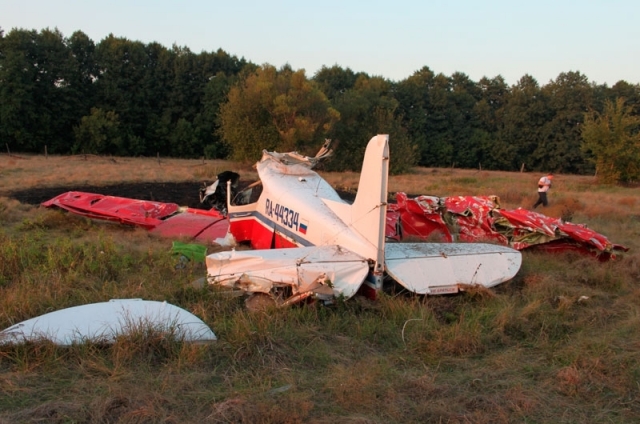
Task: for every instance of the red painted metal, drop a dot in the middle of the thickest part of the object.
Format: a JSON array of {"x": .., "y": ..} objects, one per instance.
[
  {"x": 260, "y": 236},
  {"x": 457, "y": 218},
  {"x": 141, "y": 213},
  {"x": 193, "y": 225},
  {"x": 420, "y": 217},
  {"x": 163, "y": 219},
  {"x": 476, "y": 219}
]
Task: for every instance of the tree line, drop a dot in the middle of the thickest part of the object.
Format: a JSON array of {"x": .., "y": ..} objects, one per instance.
[{"x": 69, "y": 95}]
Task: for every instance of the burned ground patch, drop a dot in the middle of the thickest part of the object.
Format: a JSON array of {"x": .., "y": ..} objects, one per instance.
[{"x": 183, "y": 193}]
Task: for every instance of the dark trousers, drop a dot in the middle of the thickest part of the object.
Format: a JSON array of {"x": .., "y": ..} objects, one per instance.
[{"x": 542, "y": 199}]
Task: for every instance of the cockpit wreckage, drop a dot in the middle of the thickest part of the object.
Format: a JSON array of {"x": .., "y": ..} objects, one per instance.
[{"x": 307, "y": 242}]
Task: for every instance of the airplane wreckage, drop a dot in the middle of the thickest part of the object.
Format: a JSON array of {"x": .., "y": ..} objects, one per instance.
[{"x": 309, "y": 242}]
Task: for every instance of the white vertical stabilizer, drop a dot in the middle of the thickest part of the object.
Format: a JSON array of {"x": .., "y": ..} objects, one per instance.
[{"x": 367, "y": 214}]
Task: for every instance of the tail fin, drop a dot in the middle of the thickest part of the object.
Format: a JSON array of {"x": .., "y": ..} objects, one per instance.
[
  {"x": 369, "y": 208},
  {"x": 367, "y": 214}
]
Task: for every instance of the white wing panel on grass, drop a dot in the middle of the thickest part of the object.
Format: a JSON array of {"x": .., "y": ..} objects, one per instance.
[{"x": 103, "y": 322}]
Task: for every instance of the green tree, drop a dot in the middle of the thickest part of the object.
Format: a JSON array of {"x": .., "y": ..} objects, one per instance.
[
  {"x": 156, "y": 87},
  {"x": 183, "y": 139},
  {"x": 121, "y": 88},
  {"x": 82, "y": 72},
  {"x": 630, "y": 92},
  {"x": 276, "y": 110},
  {"x": 414, "y": 105},
  {"x": 40, "y": 93},
  {"x": 216, "y": 72},
  {"x": 208, "y": 121},
  {"x": 18, "y": 76},
  {"x": 569, "y": 96},
  {"x": 464, "y": 124},
  {"x": 612, "y": 139},
  {"x": 98, "y": 133},
  {"x": 335, "y": 81},
  {"x": 439, "y": 114},
  {"x": 523, "y": 116},
  {"x": 495, "y": 152},
  {"x": 367, "y": 109}
]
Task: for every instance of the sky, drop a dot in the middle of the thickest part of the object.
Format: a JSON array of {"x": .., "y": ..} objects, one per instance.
[{"x": 392, "y": 39}]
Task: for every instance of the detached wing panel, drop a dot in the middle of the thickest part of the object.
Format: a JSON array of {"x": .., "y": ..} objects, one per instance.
[
  {"x": 142, "y": 213},
  {"x": 438, "y": 268},
  {"x": 322, "y": 270},
  {"x": 106, "y": 321}
]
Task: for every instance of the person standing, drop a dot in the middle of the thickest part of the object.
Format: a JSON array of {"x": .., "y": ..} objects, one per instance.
[{"x": 544, "y": 184}]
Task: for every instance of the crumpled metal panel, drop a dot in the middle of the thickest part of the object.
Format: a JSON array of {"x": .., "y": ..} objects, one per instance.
[
  {"x": 142, "y": 213},
  {"x": 329, "y": 271},
  {"x": 479, "y": 218},
  {"x": 420, "y": 216},
  {"x": 162, "y": 219}
]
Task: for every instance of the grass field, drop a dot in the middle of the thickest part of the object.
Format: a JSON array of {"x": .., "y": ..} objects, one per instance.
[{"x": 559, "y": 343}]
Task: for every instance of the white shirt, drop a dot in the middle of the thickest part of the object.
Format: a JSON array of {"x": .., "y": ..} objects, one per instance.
[{"x": 543, "y": 184}]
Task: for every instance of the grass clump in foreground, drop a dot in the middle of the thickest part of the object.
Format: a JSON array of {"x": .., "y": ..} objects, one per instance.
[{"x": 559, "y": 343}]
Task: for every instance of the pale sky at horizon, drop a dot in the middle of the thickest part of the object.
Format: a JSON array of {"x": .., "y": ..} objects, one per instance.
[{"x": 600, "y": 39}]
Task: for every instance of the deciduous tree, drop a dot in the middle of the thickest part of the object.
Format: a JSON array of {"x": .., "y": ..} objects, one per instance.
[
  {"x": 612, "y": 139},
  {"x": 277, "y": 110},
  {"x": 569, "y": 97},
  {"x": 98, "y": 133},
  {"x": 369, "y": 108}
]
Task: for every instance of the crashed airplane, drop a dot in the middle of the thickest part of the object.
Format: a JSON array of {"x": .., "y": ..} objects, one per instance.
[
  {"x": 337, "y": 248},
  {"x": 334, "y": 248}
]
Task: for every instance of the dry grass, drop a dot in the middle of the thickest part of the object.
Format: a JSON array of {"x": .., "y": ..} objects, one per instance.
[
  {"x": 19, "y": 172},
  {"x": 559, "y": 343}
]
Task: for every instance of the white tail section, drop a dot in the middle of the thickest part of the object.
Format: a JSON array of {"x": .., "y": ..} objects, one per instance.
[{"x": 367, "y": 215}]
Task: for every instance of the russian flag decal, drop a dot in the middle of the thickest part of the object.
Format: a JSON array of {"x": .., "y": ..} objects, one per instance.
[{"x": 303, "y": 227}]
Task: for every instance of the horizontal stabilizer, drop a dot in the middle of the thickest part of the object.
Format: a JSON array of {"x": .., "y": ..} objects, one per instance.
[{"x": 438, "y": 268}]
